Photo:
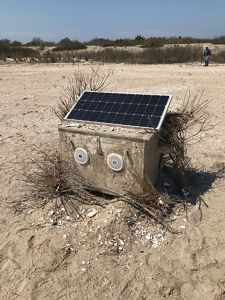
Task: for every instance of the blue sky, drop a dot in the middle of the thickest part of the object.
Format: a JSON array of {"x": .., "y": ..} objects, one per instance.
[{"x": 86, "y": 19}]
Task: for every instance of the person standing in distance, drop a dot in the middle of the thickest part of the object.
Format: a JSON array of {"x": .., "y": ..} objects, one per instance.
[{"x": 206, "y": 54}]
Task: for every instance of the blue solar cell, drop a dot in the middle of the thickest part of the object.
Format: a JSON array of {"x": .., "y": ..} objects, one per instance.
[
  {"x": 93, "y": 116},
  {"x": 122, "y": 97},
  {"x": 144, "y": 121},
  {"x": 99, "y": 106},
  {"x": 109, "y": 106},
  {"x": 145, "y": 99},
  {"x": 154, "y": 99},
  {"x": 149, "y": 110},
  {"x": 131, "y": 108},
  {"x": 153, "y": 122},
  {"x": 140, "y": 109},
  {"x": 79, "y": 105},
  {"x": 135, "y": 120},
  {"x": 81, "y": 115},
  {"x": 159, "y": 110},
  {"x": 88, "y": 95},
  {"x": 92, "y": 105},
  {"x": 74, "y": 114},
  {"x": 127, "y": 120},
  {"x": 138, "y": 98},
  {"x": 122, "y": 109},
  {"x": 103, "y": 117},
  {"x": 118, "y": 118},
  {"x": 114, "y": 108},
  {"x": 163, "y": 100},
  {"x": 111, "y": 117}
]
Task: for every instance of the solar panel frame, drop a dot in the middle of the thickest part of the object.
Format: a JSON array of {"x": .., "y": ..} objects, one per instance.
[{"x": 96, "y": 115}]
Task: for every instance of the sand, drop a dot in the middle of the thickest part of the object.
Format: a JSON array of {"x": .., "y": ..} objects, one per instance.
[{"x": 104, "y": 257}]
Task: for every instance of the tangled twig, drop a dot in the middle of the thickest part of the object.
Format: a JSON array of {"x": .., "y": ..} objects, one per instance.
[
  {"x": 49, "y": 178},
  {"x": 79, "y": 83},
  {"x": 182, "y": 127}
]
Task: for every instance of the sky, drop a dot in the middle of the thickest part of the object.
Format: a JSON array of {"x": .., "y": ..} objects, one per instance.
[{"x": 84, "y": 20}]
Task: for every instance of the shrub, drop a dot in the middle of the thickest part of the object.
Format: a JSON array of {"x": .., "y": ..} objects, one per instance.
[
  {"x": 170, "y": 55},
  {"x": 5, "y": 42},
  {"x": 95, "y": 81},
  {"x": 38, "y": 42},
  {"x": 176, "y": 54},
  {"x": 101, "y": 42},
  {"x": 219, "y": 40},
  {"x": 153, "y": 42},
  {"x": 16, "y": 44},
  {"x": 219, "y": 57},
  {"x": 17, "y": 52},
  {"x": 49, "y": 57},
  {"x": 108, "y": 55},
  {"x": 67, "y": 44}
]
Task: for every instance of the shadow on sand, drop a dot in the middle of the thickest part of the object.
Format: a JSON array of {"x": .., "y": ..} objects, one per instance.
[{"x": 194, "y": 184}]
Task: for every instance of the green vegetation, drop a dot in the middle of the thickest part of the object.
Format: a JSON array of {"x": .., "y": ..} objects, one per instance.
[
  {"x": 153, "y": 41},
  {"x": 176, "y": 54},
  {"x": 67, "y": 44},
  {"x": 152, "y": 50},
  {"x": 220, "y": 57},
  {"x": 38, "y": 42},
  {"x": 15, "y": 50}
]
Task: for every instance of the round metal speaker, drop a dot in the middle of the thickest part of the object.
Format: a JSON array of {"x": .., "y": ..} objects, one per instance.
[
  {"x": 81, "y": 156},
  {"x": 115, "y": 162}
]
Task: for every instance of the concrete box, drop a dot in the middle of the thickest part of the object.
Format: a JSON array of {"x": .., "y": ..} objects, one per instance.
[{"x": 137, "y": 155}]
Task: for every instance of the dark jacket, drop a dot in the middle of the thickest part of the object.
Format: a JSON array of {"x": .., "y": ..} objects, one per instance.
[{"x": 207, "y": 52}]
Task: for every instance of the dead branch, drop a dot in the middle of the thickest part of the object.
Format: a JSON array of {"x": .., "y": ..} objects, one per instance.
[
  {"x": 182, "y": 127},
  {"x": 80, "y": 82},
  {"x": 48, "y": 177}
]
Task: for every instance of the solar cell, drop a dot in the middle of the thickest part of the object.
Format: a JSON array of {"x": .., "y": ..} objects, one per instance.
[{"x": 137, "y": 110}]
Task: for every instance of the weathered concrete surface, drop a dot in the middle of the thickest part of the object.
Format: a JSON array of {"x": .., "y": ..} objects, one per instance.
[{"x": 139, "y": 149}]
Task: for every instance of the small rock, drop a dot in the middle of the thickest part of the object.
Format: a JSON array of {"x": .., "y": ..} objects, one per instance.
[
  {"x": 148, "y": 237},
  {"x": 121, "y": 242},
  {"x": 161, "y": 202},
  {"x": 166, "y": 184},
  {"x": 182, "y": 227},
  {"x": 51, "y": 213},
  {"x": 91, "y": 212}
]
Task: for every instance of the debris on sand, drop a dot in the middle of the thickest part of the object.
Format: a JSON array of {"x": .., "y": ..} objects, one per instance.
[
  {"x": 91, "y": 212},
  {"x": 157, "y": 240}
]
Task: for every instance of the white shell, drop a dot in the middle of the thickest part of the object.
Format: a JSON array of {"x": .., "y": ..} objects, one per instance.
[{"x": 81, "y": 156}]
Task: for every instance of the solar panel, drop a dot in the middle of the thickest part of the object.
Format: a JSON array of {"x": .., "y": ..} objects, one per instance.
[{"x": 135, "y": 110}]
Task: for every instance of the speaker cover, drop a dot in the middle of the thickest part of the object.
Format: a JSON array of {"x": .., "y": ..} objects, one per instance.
[
  {"x": 115, "y": 162},
  {"x": 81, "y": 156}
]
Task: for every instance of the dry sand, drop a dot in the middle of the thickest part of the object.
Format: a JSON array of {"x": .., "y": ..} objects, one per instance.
[{"x": 100, "y": 257}]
